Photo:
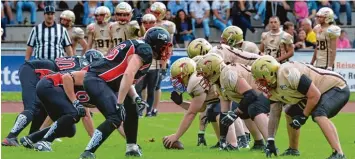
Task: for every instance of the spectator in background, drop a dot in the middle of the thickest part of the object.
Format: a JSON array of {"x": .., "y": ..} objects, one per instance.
[
  {"x": 184, "y": 27},
  {"x": 63, "y": 5},
  {"x": 3, "y": 23},
  {"x": 168, "y": 15},
  {"x": 311, "y": 38},
  {"x": 289, "y": 27},
  {"x": 301, "y": 40},
  {"x": 343, "y": 42},
  {"x": 78, "y": 10},
  {"x": 30, "y": 5},
  {"x": 109, "y": 5},
  {"x": 176, "y": 5},
  {"x": 323, "y": 3},
  {"x": 300, "y": 10},
  {"x": 241, "y": 17},
  {"x": 200, "y": 13},
  {"x": 9, "y": 18},
  {"x": 277, "y": 8},
  {"x": 136, "y": 11},
  {"x": 89, "y": 11},
  {"x": 260, "y": 7},
  {"x": 342, "y": 4},
  {"x": 221, "y": 13},
  {"x": 312, "y": 9}
]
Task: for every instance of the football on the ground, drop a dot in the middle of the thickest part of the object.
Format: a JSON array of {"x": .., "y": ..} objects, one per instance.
[{"x": 177, "y": 145}]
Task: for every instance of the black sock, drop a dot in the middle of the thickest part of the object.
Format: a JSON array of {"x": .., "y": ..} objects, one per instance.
[
  {"x": 100, "y": 135},
  {"x": 259, "y": 142},
  {"x": 38, "y": 135},
  {"x": 131, "y": 122},
  {"x": 223, "y": 130},
  {"x": 63, "y": 127},
  {"x": 38, "y": 120},
  {"x": 22, "y": 120}
]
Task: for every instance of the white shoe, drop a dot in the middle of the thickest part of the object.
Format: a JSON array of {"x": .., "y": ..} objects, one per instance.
[
  {"x": 58, "y": 140},
  {"x": 256, "y": 17}
]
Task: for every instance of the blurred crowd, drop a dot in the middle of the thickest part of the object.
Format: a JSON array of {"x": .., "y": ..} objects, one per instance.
[{"x": 191, "y": 14}]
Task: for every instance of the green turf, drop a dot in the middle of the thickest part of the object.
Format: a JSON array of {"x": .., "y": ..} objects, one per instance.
[
  {"x": 16, "y": 96},
  {"x": 312, "y": 143}
]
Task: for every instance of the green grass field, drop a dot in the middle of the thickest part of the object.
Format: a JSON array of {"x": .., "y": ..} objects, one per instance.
[
  {"x": 312, "y": 143},
  {"x": 16, "y": 96}
]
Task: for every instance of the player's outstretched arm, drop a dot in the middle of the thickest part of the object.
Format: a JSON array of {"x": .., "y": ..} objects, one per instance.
[
  {"x": 194, "y": 108},
  {"x": 127, "y": 80},
  {"x": 71, "y": 79}
]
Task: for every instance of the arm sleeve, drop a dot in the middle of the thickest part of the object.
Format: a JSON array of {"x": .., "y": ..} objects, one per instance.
[
  {"x": 304, "y": 84},
  {"x": 32, "y": 38}
]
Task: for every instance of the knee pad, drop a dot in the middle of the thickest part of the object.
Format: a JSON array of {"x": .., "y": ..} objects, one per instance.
[
  {"x": 71, "y": 131},
  {"x": 211, "y": 117},
  {"x": 293, "y": 110},
  {"x": 114, "y": 120},
  {"x": 244, "y": 116},
  {"x": 261, "y": 105}
]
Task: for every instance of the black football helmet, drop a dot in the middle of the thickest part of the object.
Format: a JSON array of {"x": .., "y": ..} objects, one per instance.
[
  {"x": 159, "y": 40},
  {"x": 93, "y": 55}
]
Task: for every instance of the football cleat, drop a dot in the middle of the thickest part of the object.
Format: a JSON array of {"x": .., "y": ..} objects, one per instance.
[
  {"x": 26, "y": 142},
  {"x": 44, "y": 146},
  {"x": 291, "y": 152},
  {"x": 10, "y": 142},
  {"x": 87, "y": 155}
]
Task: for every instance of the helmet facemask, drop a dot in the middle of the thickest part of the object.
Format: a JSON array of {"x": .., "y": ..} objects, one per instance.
[
  {"x": 165, "y": 51},
  {"x": 123, "y": 18}
]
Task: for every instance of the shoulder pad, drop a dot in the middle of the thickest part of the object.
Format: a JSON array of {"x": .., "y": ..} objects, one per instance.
[
  {"x": 194, "y": 88},
  {"x": 287, "y": 38},
  {"x": 78, "y": 32},
  {"x": 169, "y": 26},
  {"x": 90, "y": 28},
  {"x": 263, "y": 35},
  {"x": 290, "y": 74},
  {"x": 333, "y": 31}
]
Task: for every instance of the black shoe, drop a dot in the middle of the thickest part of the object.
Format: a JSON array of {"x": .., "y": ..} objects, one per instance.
[
  {"x": 336, "y": 155},
  {"x": 135, "y": 151},
  {"x": 10, "y": 142},
  {"x": 27, "y": 143},
  {"x": 148, "y": 115},
  {"x": 243, "y": 142},
  {"x": 154, "y": 112},
  {"x": 206, "y": 38},
  {"x": 225, "y": 146},
  {"x": 338, "y": 22},
  {"x": 87, "y": 155},
  {"x": 348, "y": 23},
  {"x": 258, "y": 147},
  {"x": 215, "y": 146},
  {"x": 291, "y": 152}
]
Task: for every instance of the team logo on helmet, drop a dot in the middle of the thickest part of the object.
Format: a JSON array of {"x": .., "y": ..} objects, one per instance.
[{"x": 162, "y": 36}]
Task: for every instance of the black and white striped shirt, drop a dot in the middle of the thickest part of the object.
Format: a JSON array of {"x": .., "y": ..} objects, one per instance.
[{"x": 49, "y": 42}]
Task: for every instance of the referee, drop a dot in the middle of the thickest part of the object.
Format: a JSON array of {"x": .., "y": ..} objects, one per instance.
[{"x": 48, "y": 39}]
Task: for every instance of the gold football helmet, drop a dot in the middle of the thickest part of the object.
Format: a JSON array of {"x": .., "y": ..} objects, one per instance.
[
  {"x": 148, "y": 21},
  {"x": 102, "y": 10},
  {"x": 210, "y": 67},
  {"x": 327, "y": 13},
  {"x": 123, "y": 12},
  {"x": 264, "y": 71},
  {"x": 68, "y": 15},
  {"x": 232, "y": 36},
  {"x": 198, "y": 46},
  {"x": 158, "y": 9},
  {"x": 180, "y": 72}
]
